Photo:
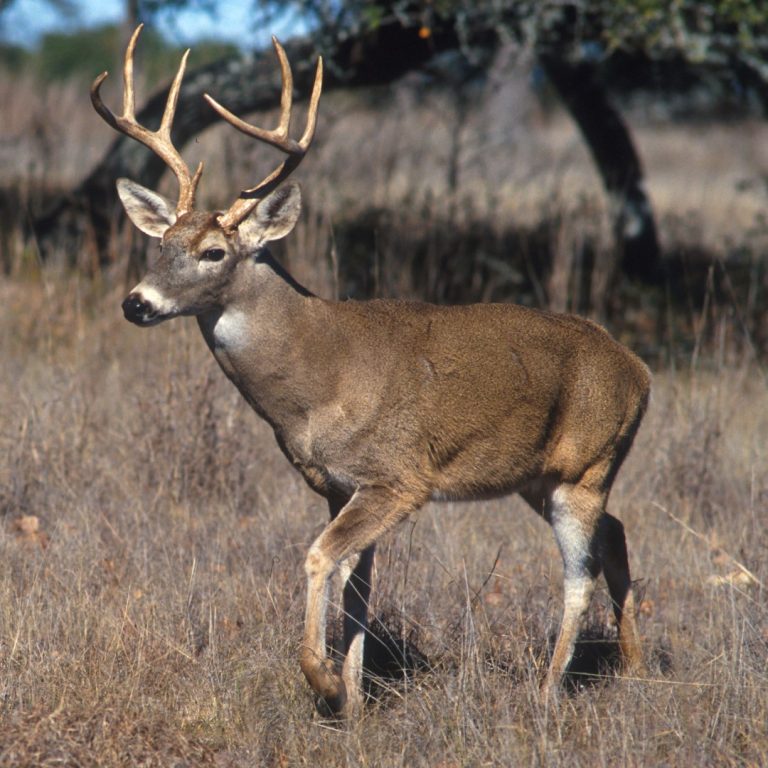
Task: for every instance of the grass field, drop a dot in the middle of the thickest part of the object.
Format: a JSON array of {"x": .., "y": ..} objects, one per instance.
[
  {"x": 154, "y": 615},
  {"x": 153, "y": 536}
]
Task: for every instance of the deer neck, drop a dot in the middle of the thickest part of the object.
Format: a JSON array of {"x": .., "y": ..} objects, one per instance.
[{"x": 263, "y": 336}]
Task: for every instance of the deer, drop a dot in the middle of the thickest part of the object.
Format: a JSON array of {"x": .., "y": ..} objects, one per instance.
[{"x": 384, "y": 405}]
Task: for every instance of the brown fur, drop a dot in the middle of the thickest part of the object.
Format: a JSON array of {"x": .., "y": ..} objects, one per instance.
[{"x": 384, "y": 405}]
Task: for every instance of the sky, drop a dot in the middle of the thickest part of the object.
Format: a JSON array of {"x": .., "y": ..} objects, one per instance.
[{"x": 27, "y": 20}]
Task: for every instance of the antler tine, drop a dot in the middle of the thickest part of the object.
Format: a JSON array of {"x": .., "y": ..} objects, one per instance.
[
  {"x": 158, "y": 141},
  {"x": 314, "y": 102},
  {"x": 286, "y": 94},
  {"x": 129, "y": 96},
  {"x": 277, "y": 137}
]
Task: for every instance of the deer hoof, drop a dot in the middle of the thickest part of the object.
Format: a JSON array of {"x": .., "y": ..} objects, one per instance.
[
  {"x": 331, "y": 693},
  {"x": 332, "y": 701}
]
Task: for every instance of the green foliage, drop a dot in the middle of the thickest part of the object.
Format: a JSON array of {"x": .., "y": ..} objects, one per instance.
[
  {"x": 701, "y": 31},
  {"x": 13, "y": 58},
  {"x": 85, "y": 53},
  {"x": 82, "y": 54},
  {"x": 161, "y": 60}
]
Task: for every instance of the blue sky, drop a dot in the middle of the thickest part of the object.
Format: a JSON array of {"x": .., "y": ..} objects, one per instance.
[{"x": 27, "y": 20}]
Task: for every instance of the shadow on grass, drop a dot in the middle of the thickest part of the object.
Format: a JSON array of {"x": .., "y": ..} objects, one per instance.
[
  {"x": 597, "y": 660},
  {"x": 393, "y": 657}
]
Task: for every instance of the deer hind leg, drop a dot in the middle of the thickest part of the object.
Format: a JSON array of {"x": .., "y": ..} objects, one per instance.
[
  {"x": 616, "y": 570},
  {"x": 368, "y": 514},
  {"x": 574, "y": 514}
]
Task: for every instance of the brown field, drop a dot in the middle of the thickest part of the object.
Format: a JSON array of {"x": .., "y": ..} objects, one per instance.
[{"x": 153, "y": 537}]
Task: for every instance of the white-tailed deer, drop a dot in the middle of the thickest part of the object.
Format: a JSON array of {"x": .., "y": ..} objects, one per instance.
[{"x": 385, "y": 405}]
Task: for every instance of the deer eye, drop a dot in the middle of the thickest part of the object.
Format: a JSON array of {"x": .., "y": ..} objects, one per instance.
[{"x": 213, "y": 254}]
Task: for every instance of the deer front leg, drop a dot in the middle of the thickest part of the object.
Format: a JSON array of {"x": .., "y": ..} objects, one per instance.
[
  {"x": 368, "y": 514},
  {"x": 317, "y": 668}
]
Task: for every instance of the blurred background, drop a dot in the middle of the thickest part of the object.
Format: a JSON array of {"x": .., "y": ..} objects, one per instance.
[{"x": 602, "y": 157}]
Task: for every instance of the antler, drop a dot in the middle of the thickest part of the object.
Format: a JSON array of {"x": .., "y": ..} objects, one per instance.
[
  {"x": 158, "y": 141},
  {"x": 278, "y": 137}
]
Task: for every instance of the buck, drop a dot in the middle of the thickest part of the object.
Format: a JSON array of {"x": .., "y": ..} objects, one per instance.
[{"x": 385, "y": 405}]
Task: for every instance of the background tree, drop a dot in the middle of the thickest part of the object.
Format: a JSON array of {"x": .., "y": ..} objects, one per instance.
[{"x": 581, "y": 46}]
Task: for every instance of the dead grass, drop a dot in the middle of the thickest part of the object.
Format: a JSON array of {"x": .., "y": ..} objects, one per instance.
[
  {"x": 156, "y": 621},
  {"x": 152, "y": 536}
]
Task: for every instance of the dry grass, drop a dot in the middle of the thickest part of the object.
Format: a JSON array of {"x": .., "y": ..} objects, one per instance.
[
  {"x": 154, "y": 616},
  {"x": 152, "y": 537}
]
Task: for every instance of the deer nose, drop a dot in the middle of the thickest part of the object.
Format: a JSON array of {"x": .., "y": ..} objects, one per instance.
[{"x": 135, "y": 308}]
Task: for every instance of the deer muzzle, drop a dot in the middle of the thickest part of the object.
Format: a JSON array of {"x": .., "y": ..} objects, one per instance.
[{"x": 137, "y": 310}]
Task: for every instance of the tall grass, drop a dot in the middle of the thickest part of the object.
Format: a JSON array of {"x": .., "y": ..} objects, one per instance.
[
  {"x": 154, "y": 616},
  {"x": 153, "y": 536}
]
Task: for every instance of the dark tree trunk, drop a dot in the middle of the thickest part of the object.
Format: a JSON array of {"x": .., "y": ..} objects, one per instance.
[
  {"x": 247, "y": 84},
  {"x": 244, "y": 84},
  {"x": 618, "y": 163}
]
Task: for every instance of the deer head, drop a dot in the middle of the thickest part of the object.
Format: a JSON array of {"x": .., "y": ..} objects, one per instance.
[{"x": 200, "y": 251}]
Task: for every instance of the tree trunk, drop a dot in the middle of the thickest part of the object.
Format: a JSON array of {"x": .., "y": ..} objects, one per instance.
[{"x": 618, "y": 163}]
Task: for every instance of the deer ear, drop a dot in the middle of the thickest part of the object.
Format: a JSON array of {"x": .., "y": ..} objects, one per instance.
[
  {"x": 274, "y": 217},
  {"x": 150, "y": 212}
]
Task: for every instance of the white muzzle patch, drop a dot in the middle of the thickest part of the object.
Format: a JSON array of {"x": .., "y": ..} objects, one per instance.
[{"x": 161, "y": 305}]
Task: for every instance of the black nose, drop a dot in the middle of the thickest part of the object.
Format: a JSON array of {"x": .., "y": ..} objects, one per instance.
[{"x": 135, "y": 309}]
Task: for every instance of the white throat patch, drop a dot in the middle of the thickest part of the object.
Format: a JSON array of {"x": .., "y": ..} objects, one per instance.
[{"x": 231, "y": 330}]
